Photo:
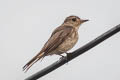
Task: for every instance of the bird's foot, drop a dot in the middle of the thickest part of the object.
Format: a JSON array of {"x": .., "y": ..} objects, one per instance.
[
  {"x": 67, "y": 57},
  {"x": 62, "y": 57}
]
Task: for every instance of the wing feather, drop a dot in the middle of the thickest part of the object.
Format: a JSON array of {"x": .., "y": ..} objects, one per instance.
[{"x": 57, "y": 37}]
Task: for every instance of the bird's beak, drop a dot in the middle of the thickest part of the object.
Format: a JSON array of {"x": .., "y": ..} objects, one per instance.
[{"x": 84, "y": 20}]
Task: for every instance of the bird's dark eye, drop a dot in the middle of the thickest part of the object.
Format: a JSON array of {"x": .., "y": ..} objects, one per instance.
[{"x": 74, "y": 19}]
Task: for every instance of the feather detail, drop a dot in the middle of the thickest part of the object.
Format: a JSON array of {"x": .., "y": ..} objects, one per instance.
[{"x": 32, "y": 61}]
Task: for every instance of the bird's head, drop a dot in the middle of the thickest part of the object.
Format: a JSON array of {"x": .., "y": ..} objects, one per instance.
[{"x": 74, "y": 21}]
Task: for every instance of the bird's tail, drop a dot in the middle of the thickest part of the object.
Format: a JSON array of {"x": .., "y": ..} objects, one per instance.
[{"x": 32, "y": 61}]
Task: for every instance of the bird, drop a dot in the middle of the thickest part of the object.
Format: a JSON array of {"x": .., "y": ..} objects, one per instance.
[{"x": 61, "y": 40}]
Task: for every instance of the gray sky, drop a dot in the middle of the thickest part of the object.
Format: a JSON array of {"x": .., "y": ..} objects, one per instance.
[{"x": 25, "y": 25}]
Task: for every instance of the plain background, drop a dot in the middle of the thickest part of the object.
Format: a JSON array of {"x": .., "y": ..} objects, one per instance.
[{"x": 25, "y": 25}]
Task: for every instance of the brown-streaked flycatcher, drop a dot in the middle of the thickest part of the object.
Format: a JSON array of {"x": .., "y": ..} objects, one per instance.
[{"x": 62, "y": 39}]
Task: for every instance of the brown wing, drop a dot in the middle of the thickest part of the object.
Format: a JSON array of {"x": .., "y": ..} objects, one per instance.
[{"x": 57, "y": 37}]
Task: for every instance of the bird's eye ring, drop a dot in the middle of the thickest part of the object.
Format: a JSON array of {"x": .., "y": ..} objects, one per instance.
[{"x": 74, "y": 19}]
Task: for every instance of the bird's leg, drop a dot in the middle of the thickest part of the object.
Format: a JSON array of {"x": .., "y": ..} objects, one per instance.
[
  {"x": 68, "y": 55},
  {"x": 61, "y": 55}
]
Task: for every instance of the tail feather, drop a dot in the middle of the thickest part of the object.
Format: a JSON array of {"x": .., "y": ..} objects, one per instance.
[{"x": 32, "y": 61}]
